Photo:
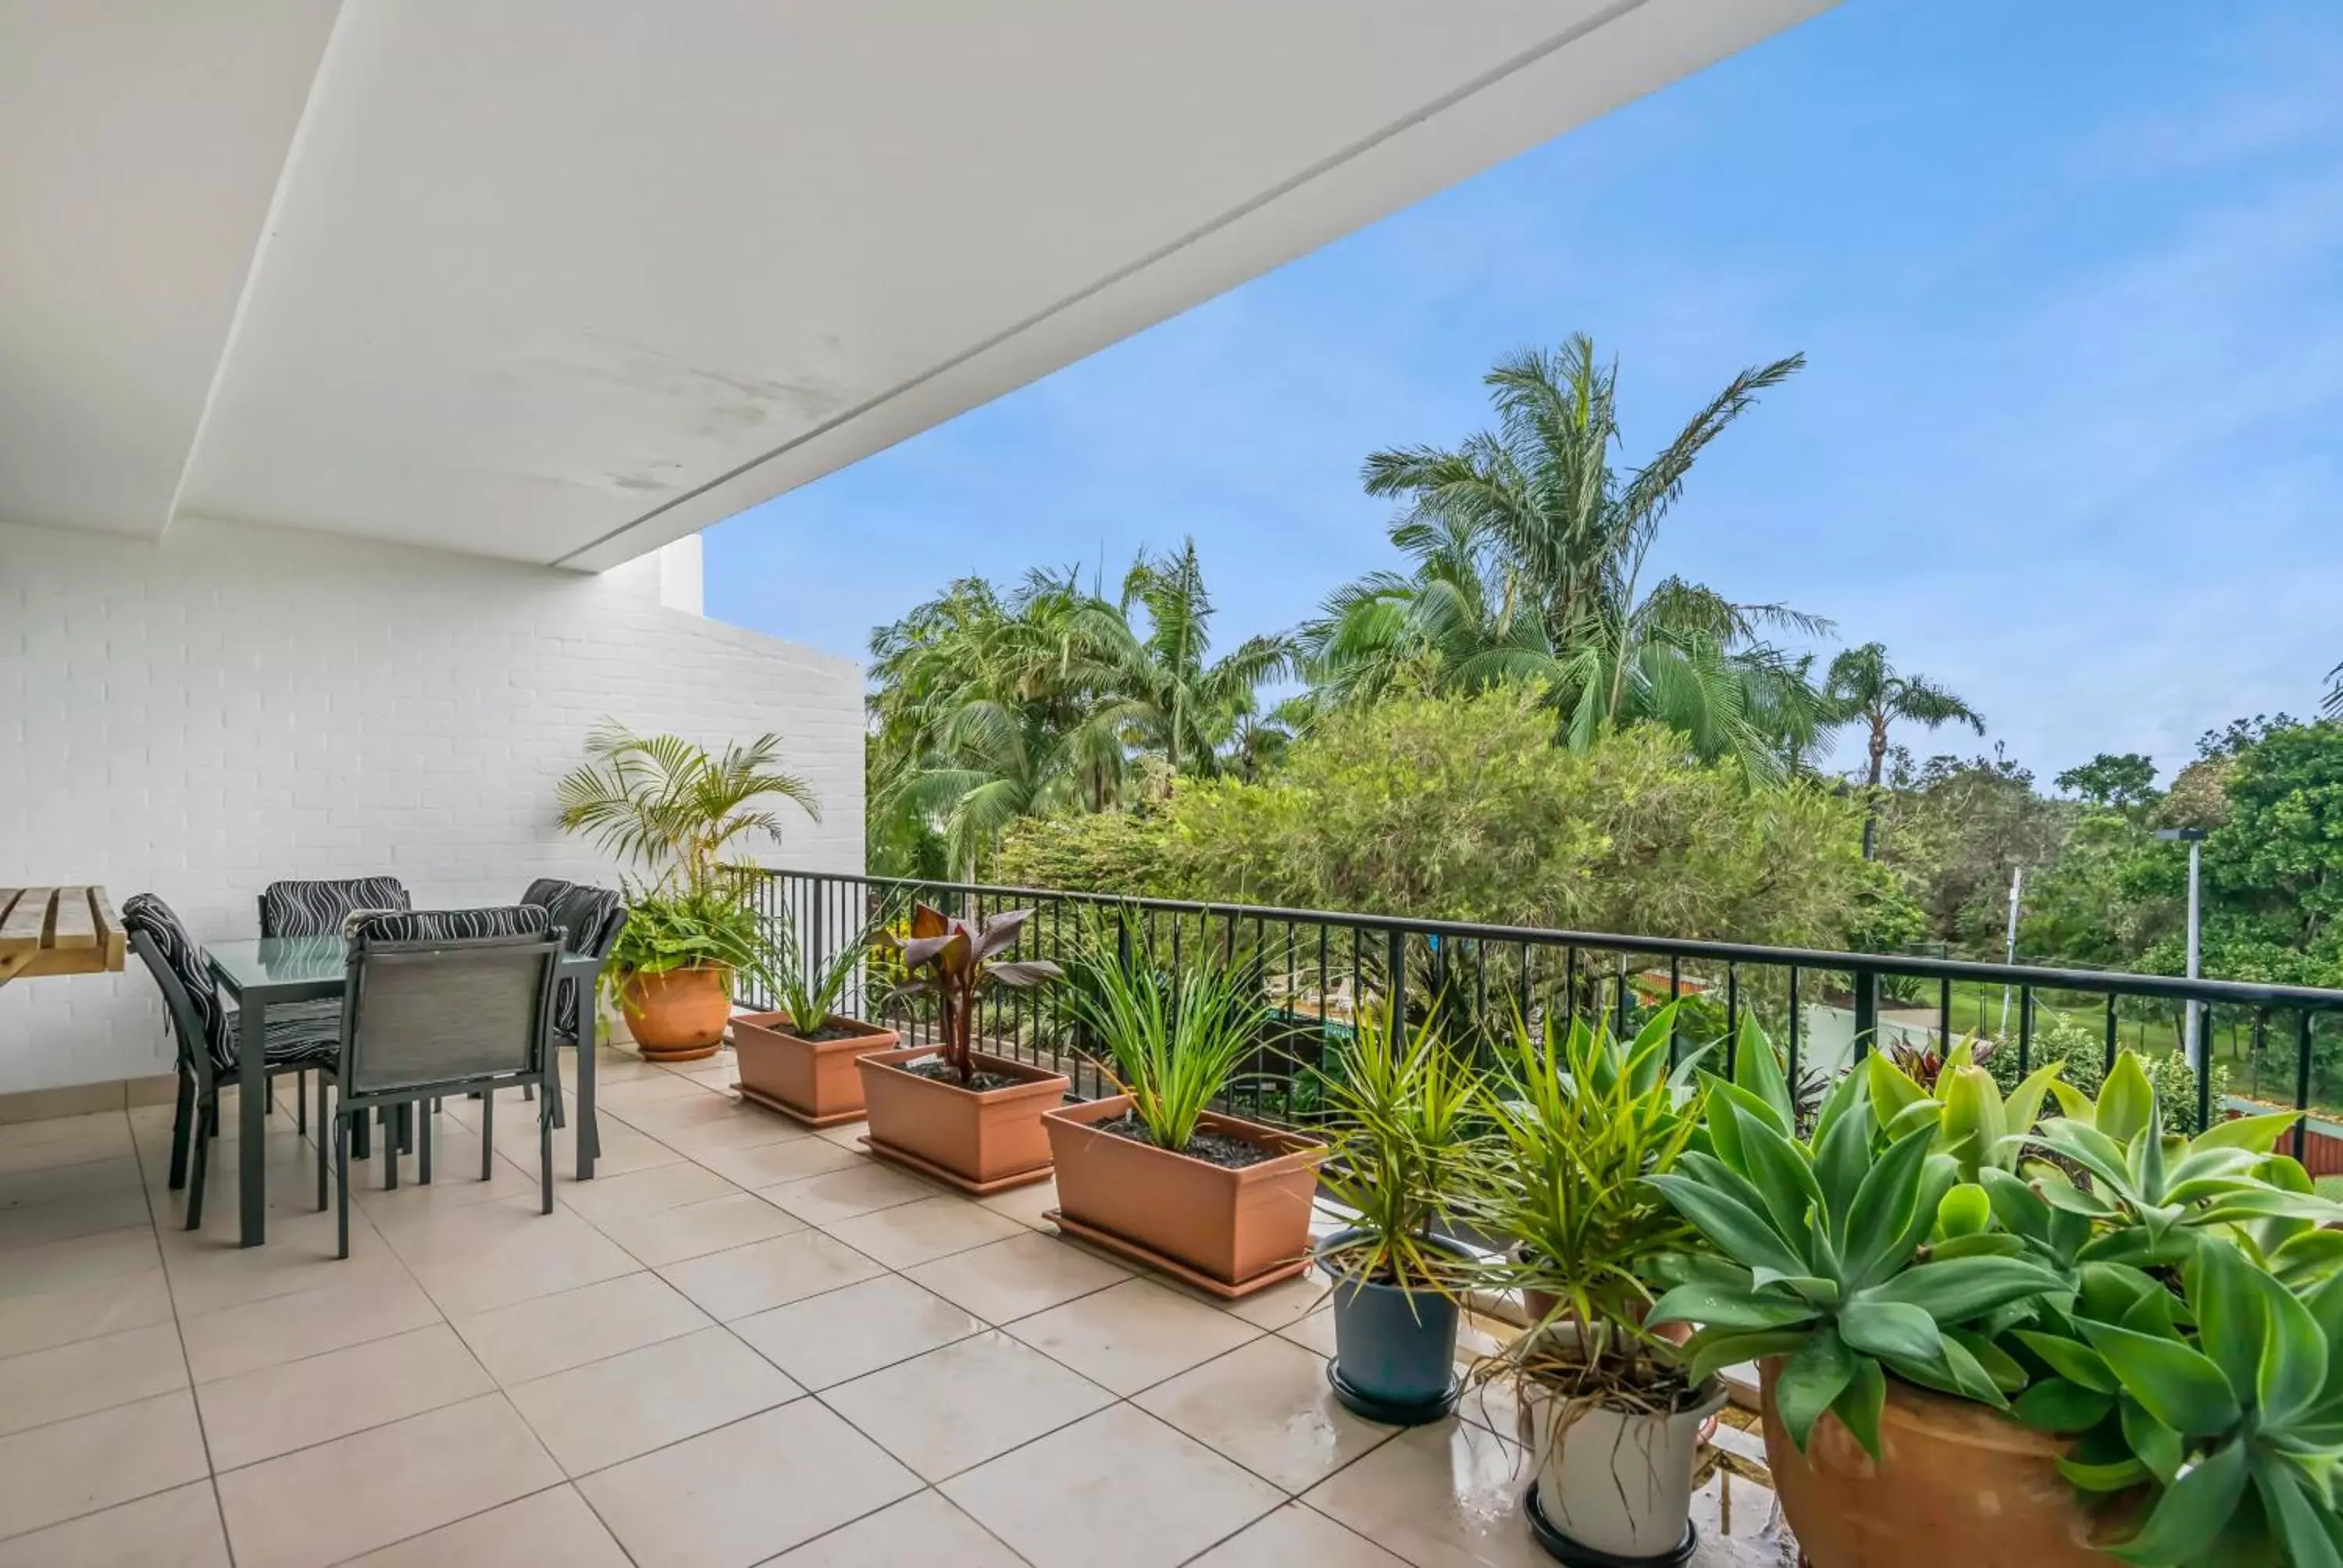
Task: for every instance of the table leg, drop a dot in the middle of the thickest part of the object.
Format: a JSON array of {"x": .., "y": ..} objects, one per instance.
[
  {"x": 251, "y": 1114},
  {"x": 589, "y": 1132}
]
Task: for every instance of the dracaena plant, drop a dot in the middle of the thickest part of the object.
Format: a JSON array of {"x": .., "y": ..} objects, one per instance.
[
  {"x": 807, "y": 986},
  {"x": 1405, "y": 1131},
  {"x": 1580, "y": 1118},
  {"x": 955, "y": 961},
  {"x": 1852, "y": 1256},
  {"x": 1175, "y": 1035}
]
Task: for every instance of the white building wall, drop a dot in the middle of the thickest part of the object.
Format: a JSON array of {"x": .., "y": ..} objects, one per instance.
[{"x": 235, "y": 704}]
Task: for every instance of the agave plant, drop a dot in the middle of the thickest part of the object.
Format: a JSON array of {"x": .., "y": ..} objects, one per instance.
[
  {"x": 1974, "y": 1124},
  {"x": 1404, "y": 1135},
  {"x": 1832, "y": 1255},
  {"x": 955, "y": 961},
  {"x": 1174, "y": 1037}
]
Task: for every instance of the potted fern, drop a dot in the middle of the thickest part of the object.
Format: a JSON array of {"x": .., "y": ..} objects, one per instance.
[
  {"x": 671, "y": 807},
  {"x": 1404, "y": 1132},
  {"x": 1153, "y": 1172},
  {"x": 800, "y": 1059},
  {"x": 967, "y": 1117}
]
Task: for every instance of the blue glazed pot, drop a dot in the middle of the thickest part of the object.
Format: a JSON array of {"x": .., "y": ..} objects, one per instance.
[{"x": 1394, "y": 1350}]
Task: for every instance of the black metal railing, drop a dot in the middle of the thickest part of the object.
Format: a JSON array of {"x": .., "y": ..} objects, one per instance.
[{"x": 1321, "y": 968}]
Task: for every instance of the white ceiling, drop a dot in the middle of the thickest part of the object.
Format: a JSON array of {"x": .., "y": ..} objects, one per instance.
[{"x": 561, "y": 280}]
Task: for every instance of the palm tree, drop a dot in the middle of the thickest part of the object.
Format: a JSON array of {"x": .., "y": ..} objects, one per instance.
[
  {"x": 2333, "y": 706},
  {"x": 674, "y": 807},
  {"x": 1864, "y": 685},
  {"x": 1528, "y": 548},
  {"x": 1186, "y": 705}
]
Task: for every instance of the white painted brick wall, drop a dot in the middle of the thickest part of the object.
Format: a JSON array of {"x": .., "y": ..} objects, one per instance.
[{"x": 200, "y": 718}]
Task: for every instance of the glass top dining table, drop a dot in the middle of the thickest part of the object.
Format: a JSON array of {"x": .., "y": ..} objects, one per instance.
[{"x": 262, "y": 973}]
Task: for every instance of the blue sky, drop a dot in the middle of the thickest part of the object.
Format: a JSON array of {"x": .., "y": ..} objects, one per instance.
[{"x": 2069, "y": 278}]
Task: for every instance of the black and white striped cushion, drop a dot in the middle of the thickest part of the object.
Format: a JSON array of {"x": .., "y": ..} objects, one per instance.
[
  {"x": 298, "y": 1032},
  {"x": 589, "y": 919},
  {"x": 450, "y": 925},
  {"x": 318, "y": 908}
]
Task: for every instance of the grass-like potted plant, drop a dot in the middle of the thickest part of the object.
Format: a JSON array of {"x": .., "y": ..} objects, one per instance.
[
  {"x": 2060, "y": 1346},
  {"x": 675, "y": 808},
  {"x": 967, "y": 1117},
  {"x": 800, "y": 1059},
  {"x": 1405, "y": 1127},
  {"x": 1153, "y": 1172},
  {"x": 1610, "y": 1409}
]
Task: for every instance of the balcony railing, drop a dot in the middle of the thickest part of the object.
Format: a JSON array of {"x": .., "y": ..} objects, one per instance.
[{"x": 2283, "y": 1044}]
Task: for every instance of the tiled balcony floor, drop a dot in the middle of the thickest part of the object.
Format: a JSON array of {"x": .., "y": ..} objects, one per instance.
[{"x": 742, "y": 1343}]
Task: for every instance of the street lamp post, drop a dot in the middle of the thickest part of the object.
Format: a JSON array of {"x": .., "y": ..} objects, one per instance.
[{"x": 2195, "y": 838}]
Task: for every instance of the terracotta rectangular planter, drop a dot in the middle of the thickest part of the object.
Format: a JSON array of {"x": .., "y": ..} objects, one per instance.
[
  {"x": 1230, "y": 1231},
  {"x": 979, "y": 1141},
  {"x": 813, "y": 1080}
]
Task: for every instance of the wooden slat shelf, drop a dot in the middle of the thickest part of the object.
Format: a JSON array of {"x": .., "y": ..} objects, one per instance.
[{"x": 70, "y": 930}]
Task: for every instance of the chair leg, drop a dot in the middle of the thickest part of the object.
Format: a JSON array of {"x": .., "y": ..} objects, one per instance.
[
  {"x": 301, "y": 1100},
  {"x": 342, "y": 1184},
  {"x": 324, "y": 1124},
  {"x": 390, "y": 1151},
  {"x": 553, "y": 1085},
  {"x": 183, "y": 1127},
  {"x": 545, "y": 1156},
  {"x": 487, "y": 1132},
  {"x": 201, "y": 1161},
  {"x": 423, "y": 1145}
]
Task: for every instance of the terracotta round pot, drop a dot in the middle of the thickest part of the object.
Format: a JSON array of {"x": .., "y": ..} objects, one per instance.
[
  {"x": 1957, "y": 1485},
  {"x": 678, "y": 1016}
]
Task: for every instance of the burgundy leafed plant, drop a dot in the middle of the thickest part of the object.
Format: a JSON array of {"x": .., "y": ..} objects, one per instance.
[{"x": 954, "y": 961}]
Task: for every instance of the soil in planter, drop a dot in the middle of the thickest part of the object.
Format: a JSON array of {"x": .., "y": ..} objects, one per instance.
[
  {"x": 1213, "y": 1148},
  {"x": 823, "y": 1035},
  {"x": 942, "y": 1071}
]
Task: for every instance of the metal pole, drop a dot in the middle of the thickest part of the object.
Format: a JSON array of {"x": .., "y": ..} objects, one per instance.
[
  {"x": 2017, "y": 896},
  {"x": 2190, "y": 1044}
]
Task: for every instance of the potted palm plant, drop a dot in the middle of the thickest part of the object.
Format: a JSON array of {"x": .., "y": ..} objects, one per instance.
[
  {"x": 1403, "y": 1131},
  {"x": 800, "y": 1058},
  {"x": 1611, "y": 1412},
  {"x": 2059, "y": 1346},
  {"x": 1153, "y": 1172},
  {"x": 967, "y": 1117},
  {"x": 671, "y": 807}
]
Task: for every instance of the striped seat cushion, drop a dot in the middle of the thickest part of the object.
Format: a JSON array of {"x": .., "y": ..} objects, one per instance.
[
  {"x": 589, "y": 919},
  {"x": 450, "y": 925},
  {"x": 318, "y": 908},
  {"x": 300, "y": 1033}
]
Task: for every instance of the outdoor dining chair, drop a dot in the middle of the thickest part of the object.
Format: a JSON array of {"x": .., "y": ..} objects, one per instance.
[
  {"x": 206, "y": 1045},
  {"x": 589, "y": 919},
  {"x": 444, "y": 1003},
  {"x": 317, "y": 908}
]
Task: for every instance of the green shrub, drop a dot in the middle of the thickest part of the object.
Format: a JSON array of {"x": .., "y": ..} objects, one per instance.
[{"x": 2082, "y": 1055}]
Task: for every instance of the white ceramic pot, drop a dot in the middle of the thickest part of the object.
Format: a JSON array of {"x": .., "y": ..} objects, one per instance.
[{"x": 1617, "y": 1482}]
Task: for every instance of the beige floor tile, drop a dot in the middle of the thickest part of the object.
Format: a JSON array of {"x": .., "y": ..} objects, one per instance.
[
  {"x": 958, "y": 1406},
  {"x": 771, "y": 1273},
  {"x": 175, "y": 1529},
  {"x": 209, "y": 1270},
  {"x": 846, "y": 1135},
  {"x": 1314, "y": 1332},
  {"x": 751, "y": 1127},
  {"x": 84, "y": 1261},
  {"x": 1294, "y": 1536},
  {"x": 625, "y": 1099},
  {"x": 548, "y": 1529},
  {"x": 259, "y": 1415},
  {"x": 699, "y": 1111},
  {"x": 1017, "y": 1278},
  {"x": 595, "y": 1416},
  {"x": 50, "y": 1130},
  {"x": 737, "y": 1496},
  {"x": 371, "y": 1305},
  {"x": 70, "y": 1468},
  {"x": 916, "y": 1233},
  {"x": 79, "y": 1214},
  {"x": 608, "y": 1199},
  {"x": 921, "y": 1531},
  {"x": 66, "y": 1140},
  {"x": 624, "y": 1148},
  {"x": 494, "y": 1254},
  {"x": 547, "y": 1334},
  {"x": 722, "y": 1080},
  {"x": 1442, "y": 1496},
  {"x": 49, "y": 1184},
  {"x": 455, "y": 1179},
  {"x": 414, "y": 1475},
  {"x": 772, "y": 1165},
  {"x": 1286, "y": 1302},
  {"x": 106, "y": 1306},
  {"x": 1055, "y": 1501},
  {"x": 89, "y": 1375},
  {"x": 1267, "y": 1406},
  {"x": 696, "y": 1229},
  {"x": 838, "y": 1195},
  {"x": 1131, "y": 1335},
  {"x": 828, "y": 1339},
  {"x": 1027, "y": 1204}
]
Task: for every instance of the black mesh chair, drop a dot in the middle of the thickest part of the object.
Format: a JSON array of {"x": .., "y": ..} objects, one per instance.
[
  {"x": 206, "y": 1054},
  {"x": 441, "y": 1002},
  {"x": 317, "y": 908}
]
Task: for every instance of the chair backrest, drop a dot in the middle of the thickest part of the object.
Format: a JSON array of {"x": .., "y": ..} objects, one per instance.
[
  {"x": 176, "y": 960},
  {"x": 318, "y": 908},
  {"x": 589, "y": 917},
  {"x": 447, "y": 996}
]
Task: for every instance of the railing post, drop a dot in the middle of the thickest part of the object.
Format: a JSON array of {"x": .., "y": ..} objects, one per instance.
[
  {"x": 2302, "y": 1087},
  {"x": 1866, "y": 1012},
  {"x": 1396, "y": 978}
]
